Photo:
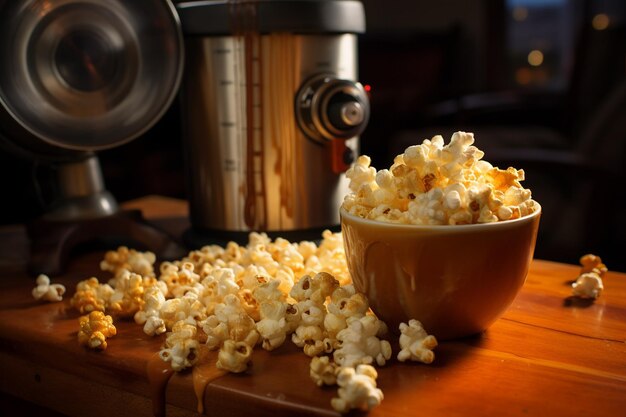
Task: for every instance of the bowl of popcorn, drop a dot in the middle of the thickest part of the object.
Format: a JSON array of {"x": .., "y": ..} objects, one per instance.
[{"x": 441, "y": 236}]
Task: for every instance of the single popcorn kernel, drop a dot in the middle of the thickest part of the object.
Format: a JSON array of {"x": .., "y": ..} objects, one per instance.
[
  {"x": 322, "y": 371},
  {"x": 591, "y": 262},
  {"x": 415, "y": 343},
  {"x": 357, "y": 389},
  {"x": 47, "y": 291},
  {"x": 91, "y": 296},
  {"x": 589, "y": 283},
  {"x": 234, "y": 356},
  {"x": 360, "y": 343},
  {"x": 94, "y": 330},
  {"x": 181, "y": 347}
]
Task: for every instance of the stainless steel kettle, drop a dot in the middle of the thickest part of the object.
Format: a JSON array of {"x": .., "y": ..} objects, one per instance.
[{"x": 272, "y": 112}]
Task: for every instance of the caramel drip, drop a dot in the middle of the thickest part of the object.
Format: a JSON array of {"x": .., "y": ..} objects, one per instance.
[
  {"x": 243, "y": 17},
  {"x": 204, "y": 372},
  {"x": 256, "y": 193},
  {"x": 159, "y": 373}
]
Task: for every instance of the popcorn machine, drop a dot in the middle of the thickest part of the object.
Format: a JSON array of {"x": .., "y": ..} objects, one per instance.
[{"x": 272, "y": 112}]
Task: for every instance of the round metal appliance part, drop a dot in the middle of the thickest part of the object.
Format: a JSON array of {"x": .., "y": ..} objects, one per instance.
[
  {"x": 87, "y": 74},
  {"x": 329, "y": 108}
]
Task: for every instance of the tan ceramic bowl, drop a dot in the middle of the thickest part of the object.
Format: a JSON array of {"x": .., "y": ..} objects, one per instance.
[{"x": 456, "y": 280}]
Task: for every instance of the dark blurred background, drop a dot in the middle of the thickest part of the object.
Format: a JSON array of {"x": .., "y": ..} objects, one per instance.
[{"x": 541, "y": 83}]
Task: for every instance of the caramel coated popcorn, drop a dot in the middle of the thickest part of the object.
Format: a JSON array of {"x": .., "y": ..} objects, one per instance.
[
  {"x": 124, "y": 259},
  {"x": 95, "y": 328},
  {"x": 433, "y": 184},
  {"x": 91, "y": 295}
]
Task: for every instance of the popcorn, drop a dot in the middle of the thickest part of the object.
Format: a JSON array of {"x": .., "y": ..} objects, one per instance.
[
  {"x": 94, "y": 330},
  {"x": 286, "y": 254},
  {"x": 127, "y": 297},
  {"x": 310, "y": 338},
  {"x": 91, "y": 296},
  {"x": 360, "y": 344},
  {"x": 435, "y": 184},
  {"x": 266, "y": 291},
  {"x": 361, "y": 173},
  {"x": 230, "y": 322},
  {"x": 149, "y": 316},
  {"x": 589, "y": 283},
  {"x": 181, "y": 347},
  {"x": 215, "y": 287},
  {"x": 47, "y": 291},
  {"x": 344, "y": 303},
  {"x": 187, "y": 307},
  {"x": 316, "y": 289},
  {"x": 273, "y": 326},
  {"x": 415, "y": 343},
  {"x": 116, "y": 262},
  {"x": 357, "y": 389},
  {"x": 179, "y": 280},
  {"x": 322, "y": 371},
  {"x": 269, "y": 291},
  {"x": 234, "y": 356},
  {"x": 593, "y": 263}
]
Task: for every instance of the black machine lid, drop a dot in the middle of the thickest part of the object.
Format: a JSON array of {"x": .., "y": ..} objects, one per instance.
[{"x": 264, "y": 16}]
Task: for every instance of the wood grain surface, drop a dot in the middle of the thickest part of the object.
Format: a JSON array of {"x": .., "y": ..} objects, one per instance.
[{"x": 548, "y": 355}]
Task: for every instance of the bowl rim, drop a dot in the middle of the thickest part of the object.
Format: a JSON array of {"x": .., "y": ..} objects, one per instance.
[{"x": 343, "y": 213}]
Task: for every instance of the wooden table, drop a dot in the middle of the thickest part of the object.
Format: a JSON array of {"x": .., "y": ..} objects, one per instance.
[{"x": 549, "y": 355}]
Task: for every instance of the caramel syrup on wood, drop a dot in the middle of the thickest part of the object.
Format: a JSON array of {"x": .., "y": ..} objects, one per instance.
[
  {"x": 159, "y": 373},
  {"x": 204, "y": 372}
]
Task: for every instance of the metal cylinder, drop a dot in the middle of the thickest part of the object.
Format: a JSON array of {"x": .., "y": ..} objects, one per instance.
[{"x": 272, "y": 114}]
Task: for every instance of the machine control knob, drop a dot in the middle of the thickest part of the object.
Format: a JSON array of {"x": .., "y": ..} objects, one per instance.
[{"x": 330, "y": 108}]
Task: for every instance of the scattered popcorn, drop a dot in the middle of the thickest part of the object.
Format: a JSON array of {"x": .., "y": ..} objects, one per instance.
[
  {"x": 415, "y": 343},
  {"x": 322, "y": 371},
  {"x": 234, "y": 356},
  {"x": 357, "y": 389},
  {"x": 589, "y": 283},
  {"x": 269, "y": 291},
  {"x": 433, "y": 183},
  {"x": 47, "y": 291},
  {"x": 94, "y": 330}
]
